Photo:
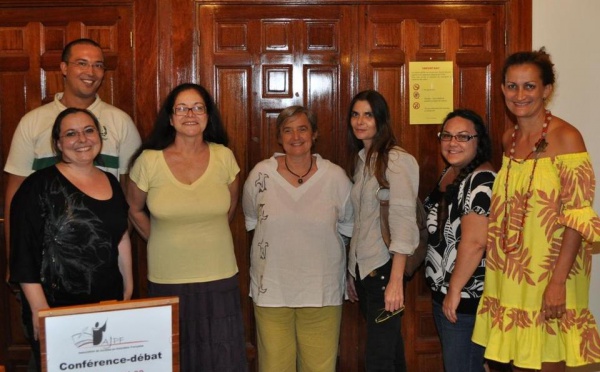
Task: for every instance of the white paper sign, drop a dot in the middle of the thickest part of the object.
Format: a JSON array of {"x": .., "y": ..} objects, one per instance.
[{"x": 133, "y": 340}]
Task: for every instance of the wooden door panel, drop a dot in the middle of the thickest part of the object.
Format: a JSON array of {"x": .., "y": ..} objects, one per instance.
[
  {"x": 294, "y": 53},
  {"x": 322, "y": 97},
  {"x": 18, "y": 66},
  {"x": 49, "y": 29},
  {"x": 233, "y": 92},
  {"x": 31, "y": 43},
  {"x": 396, "y": 35},
  {"x": 274, "y": 57}
]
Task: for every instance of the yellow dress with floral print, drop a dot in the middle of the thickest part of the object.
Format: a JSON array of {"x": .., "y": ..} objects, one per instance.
[{"x": 509, "y": 322}]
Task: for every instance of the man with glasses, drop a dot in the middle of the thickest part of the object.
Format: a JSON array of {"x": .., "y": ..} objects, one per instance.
[
  {"x": 83, "y": 69},
  {"x": 82, "y": 66}
]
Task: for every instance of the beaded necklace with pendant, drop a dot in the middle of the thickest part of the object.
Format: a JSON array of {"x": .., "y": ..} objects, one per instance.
[{"x": 538, "y": 148}]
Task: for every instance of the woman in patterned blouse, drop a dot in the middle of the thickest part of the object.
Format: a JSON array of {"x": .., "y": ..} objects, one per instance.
[{"x": 457, "y": 220}]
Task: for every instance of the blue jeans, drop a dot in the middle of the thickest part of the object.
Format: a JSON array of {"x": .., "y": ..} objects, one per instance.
[
  {"x": 459, "y": 352},
  {"x": 384, "y": 350}
]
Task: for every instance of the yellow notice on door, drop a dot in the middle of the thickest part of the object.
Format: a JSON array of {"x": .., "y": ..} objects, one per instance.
[{"x": 431, "y": 91}]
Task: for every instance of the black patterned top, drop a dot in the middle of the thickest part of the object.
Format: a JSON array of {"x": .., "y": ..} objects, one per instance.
[
  {"x": 474, "y": 195},
  {"x": 66, "y": 240}
]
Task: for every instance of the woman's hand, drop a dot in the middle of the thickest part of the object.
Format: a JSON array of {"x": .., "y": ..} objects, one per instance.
[
  {"x": 394, "y": 291},
  {"x": 554, "y": 300},
  {"x": 450, "y": 305},
  {"x": 351, "y": 289},
  {"x": 394, "y": 294},
  {"x": 468, "y": 257},
  {"x": 35, "y": 320},
  {"x": 555, "y": 295}
]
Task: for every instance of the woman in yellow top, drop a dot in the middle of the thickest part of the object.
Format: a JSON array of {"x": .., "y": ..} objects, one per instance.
[
  {"x": 188, "y": 180},
  {"x": 534, "y": 311}
]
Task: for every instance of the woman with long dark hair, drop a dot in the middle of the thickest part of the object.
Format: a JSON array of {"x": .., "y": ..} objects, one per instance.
[
  {"x": 188, "y": 181},
  {"x": 376, "y": 271}
]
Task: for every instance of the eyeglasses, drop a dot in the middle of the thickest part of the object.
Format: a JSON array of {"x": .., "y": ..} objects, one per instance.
[
  {"x": 385, "y": 315},
  {"x": 88, "y": 132},
  {"x": 84, "y": 65},
  {"x": 446, "y": 137},
  {"x": 183, "y": 110}
]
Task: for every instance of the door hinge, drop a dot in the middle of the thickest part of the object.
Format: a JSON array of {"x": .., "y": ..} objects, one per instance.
[
  {"x": 505, "y": 37},
  {"x": 131, "y": 39}
]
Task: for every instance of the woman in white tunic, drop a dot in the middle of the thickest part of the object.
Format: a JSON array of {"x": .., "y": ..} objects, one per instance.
[{"x": 298, "y": 205}]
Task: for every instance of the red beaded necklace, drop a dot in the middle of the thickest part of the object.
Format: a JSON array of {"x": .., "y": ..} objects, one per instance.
[{"x": 539, "y": 147}]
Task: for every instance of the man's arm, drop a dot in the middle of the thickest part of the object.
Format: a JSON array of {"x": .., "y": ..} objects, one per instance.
[{"x": 13, "y": 184}]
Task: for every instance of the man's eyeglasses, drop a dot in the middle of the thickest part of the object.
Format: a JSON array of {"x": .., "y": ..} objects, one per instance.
[
  {"x": 385, "y": 315},
  {"x": 84, "y": 65},
  {"x": 88, "y": 132},
  {"x": 183, "y": 110},
  {"x": 446, "y": 137}
]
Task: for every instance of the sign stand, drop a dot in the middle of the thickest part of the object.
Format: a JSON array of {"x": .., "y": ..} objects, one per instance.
[{"x": 128, "y": 336}]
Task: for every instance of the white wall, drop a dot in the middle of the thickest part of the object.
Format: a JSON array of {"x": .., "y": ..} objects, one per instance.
[{"x": 570, "y": 31}]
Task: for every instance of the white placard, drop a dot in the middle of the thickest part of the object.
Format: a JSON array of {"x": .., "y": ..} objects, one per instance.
[{"x": 132, "y": 340}]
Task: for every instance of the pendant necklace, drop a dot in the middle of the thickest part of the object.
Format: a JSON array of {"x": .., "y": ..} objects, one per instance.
[
  {"x": 300, "y": 178},
  {"x": 538, "y": 148}
]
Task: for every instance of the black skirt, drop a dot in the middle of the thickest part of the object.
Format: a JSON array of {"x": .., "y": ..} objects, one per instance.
[{"x": 210, "y": 325}]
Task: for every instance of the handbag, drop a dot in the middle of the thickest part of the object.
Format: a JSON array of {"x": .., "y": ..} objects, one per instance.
[{"x": 413, "y": 262}]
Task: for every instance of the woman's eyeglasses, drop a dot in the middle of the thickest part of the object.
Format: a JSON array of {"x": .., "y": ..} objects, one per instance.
[
  {"x": 88, "y": 132},
  {"x": 461, "y": 137},
  {"x": 183, "y": 110}
]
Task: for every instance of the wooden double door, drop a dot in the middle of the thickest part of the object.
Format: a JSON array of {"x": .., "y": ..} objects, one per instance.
[
  {"x": 257, "y": 60},
  {"x": 320, "y": 56}
]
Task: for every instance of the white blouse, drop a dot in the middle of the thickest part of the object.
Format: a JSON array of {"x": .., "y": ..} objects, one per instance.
[
  {"x": 298, "y": 256},
  {"x": 367, "y": 249}
]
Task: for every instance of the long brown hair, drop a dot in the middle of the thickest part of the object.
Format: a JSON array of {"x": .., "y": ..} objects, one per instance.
[{"x": 383, "y": 141}]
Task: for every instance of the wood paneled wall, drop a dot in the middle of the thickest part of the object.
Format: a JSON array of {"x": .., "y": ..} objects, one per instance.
[{"x": 277, "y": 52}]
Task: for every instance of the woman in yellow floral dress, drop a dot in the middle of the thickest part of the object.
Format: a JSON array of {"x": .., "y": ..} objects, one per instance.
[{"x": 534, "y": 311}]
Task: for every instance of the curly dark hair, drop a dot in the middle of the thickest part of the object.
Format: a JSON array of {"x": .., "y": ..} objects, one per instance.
[
  {"x": 383, "y": 141},
  {"x": 163, "y": 133},
  {"x": 539, "y": 58}
]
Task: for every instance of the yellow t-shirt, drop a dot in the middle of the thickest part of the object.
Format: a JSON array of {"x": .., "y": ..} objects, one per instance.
[{"x": 190, "y": 239}]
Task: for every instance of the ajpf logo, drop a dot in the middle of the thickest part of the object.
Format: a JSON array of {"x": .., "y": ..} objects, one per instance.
[{"x": 90, "y": 336}]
